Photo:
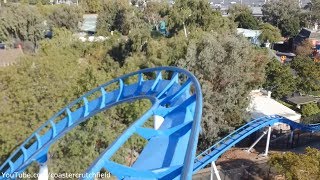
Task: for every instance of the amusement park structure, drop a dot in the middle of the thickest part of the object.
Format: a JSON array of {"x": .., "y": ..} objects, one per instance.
[{"x": 170, "y": 152}]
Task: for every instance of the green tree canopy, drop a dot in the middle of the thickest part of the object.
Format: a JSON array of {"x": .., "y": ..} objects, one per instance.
[
  {"x": 310, "y": 109},
  {"x": 284, "y": 15},
  {"x": 92, "y": 6},
  {"x": 237, "y": 9},
  {"x": 269, "y": 33},
  {"x": 119, "y": 16},
  {"x": 280, "y": 79},
  {"x": 247, "y": 21},
  {"x": 228, "y": 68},
  {"x": 197, "y": 14},
  {"x": 298, "y": 166},
  {"x": 67, "y": 17},
  {"x": 23, "y": 23},
  {"x": 308, "y": 72}
]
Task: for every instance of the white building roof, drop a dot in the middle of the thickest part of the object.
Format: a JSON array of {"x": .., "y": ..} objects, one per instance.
[
  {"x": 262, "y": 105},
  {"x": 249, "y": 33}
]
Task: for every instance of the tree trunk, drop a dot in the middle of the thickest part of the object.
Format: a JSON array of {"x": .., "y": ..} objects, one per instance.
[{"x": 185, "y": 30}]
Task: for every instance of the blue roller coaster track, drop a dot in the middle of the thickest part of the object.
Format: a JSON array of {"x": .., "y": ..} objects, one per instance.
[{"x": 171, "y": 149}]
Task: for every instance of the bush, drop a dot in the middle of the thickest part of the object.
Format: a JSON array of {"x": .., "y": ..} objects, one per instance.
[{"x": 310, "y": 109}]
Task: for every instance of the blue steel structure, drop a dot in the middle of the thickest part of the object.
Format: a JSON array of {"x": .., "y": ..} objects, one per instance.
[
  {"x": 170, "y": 152},
  {"x": 213, "y": 153}
]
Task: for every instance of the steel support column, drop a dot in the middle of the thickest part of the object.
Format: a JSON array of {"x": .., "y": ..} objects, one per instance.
[
  {"x": 264, "y": 133},
  {"x": 214, "y": 170},
  {"x": 268, "y": 141}
]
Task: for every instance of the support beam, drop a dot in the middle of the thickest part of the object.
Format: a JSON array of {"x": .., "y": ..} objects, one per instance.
[
  {"x": 214, "y": 170},
  {"x": 43, "y": 172},
  {"x": 158, "y": 120},
  {"x": 264, "y": 133},
  {"x": 268, "y": 141},
  {"x": 291, "y": 137}
]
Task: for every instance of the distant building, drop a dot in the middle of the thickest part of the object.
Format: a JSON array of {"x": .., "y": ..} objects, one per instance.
[
  {"x": 263, "y": 105},
  {"x": 89, "y": 24},
  {"x": 252, "y": 35},
  {"x": 298, "y": 101}
]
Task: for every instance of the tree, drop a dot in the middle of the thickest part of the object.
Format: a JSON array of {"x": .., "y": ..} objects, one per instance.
[
  {"x": 279, "y": 80},
  {"x": 308, "y": 72},
  {"x": 22, "y": 22},
  {"x": 228, "y": 69},
  {"x": 154, "y": 12},
  {"x": 92, "y": 6},
  {"x": 66, "y": 17},
  {"x": 313, "y": 12},
  {"x": 247, "y": 21},
  {"x": 284, "y": 15},
  {"x": 119, "y": 16},
  {"x": 310, "y": 109},
  {"x": 305, "y": 48},
  {"x": 236, "y": 9},
  {"x": 297, "y": 166},
  {"x": 269, "y": 33},
  {"x": 197, "y": 14}
]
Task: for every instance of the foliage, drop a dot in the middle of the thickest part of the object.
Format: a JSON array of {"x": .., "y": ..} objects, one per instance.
[
  {"x": 298, "y": 166},
  {"x": 119, "y": 16},
  {"x": 197, "y": 14},
  {"x": 310, "y": 109},
  {"x": 269, "y": 33},
  {"x": 313, "y": 12},
  {"x": 154, "y": 12},
  {"x": 23, "y": 23},
  {"x": 284, "y": 15},
  {"x": 64, "y": 68},
  {"x": 304, "y": 49},
  {"x": 228, "y": 68},
  {"x": 247, "y": 21},
  {"x": 236, "y": 9},
  {"x": 242, "y": 14},
  {"x": 66, "y": 16},
  {"x": 92, "y": 6},
  {"x": 280, "y": 79},
  {"x": 308, "y": 72}
]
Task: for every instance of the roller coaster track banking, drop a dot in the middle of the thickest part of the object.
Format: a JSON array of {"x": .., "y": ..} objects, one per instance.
[
  {"x": 213, "y": 153},
  {"x": 170, "y": 152}
]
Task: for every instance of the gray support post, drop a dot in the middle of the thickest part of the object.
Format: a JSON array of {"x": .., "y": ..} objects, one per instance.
[
  {"x": 43, "y": 172},
  {"x": 264, "y": 133},
  {"x": 268, "y": 141},
  {"x": 214, "y": 170}
]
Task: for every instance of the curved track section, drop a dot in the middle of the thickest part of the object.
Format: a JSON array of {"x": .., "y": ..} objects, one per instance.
[
  {"x": 214, "y": 152},
  {"x": 169, "y": 154}
]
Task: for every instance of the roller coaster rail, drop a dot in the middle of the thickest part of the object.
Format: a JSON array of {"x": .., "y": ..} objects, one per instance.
[{"x": 170, "y": 153}]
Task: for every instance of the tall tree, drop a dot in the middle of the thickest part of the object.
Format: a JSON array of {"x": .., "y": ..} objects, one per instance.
[
  {"x": 309, "y": 73},
  {"x": 305, "y": 48},
  {"x": 119, "y": 16},
  {"x": 197, "y": 14},
  {"x": 269, "y": 33},
  {"x": 247, "y": 21},
  {"x": 228, "y": 69},
  {"x": 66, "y": 16},
  {"x": 22, "y": 22},
  {"x": 280, "y": 79},
  {"x": 237, "y": 9},
  {"x": 92, "y": 6},
  {"x": 284, "y": 15}
]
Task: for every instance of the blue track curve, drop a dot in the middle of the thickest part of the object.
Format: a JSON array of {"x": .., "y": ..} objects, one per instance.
[
  {"x": 213, "y": 153},
  {"x": 170, "y": 151}
]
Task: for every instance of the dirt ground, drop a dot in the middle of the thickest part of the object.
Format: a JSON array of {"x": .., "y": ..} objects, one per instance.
[{"x": 9, "y": 56}]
